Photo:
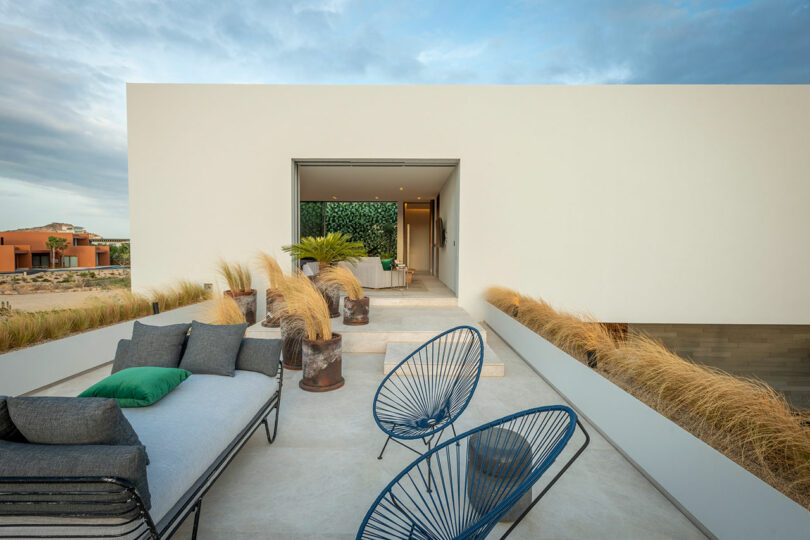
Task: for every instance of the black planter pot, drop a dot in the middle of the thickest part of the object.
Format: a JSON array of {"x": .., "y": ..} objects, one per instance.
[
  {"x": 322, "y": 364},
  {"x": 246, "y": 303},
  {"x": 273, "y": 298},
  {"x": 290, "y": 347},
  {"x": 355, "y": 312}
]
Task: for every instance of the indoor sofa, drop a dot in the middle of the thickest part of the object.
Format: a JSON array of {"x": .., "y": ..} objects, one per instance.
[
  {"x": 134, "y": 487},
  {"x": 370, "y": 273}
]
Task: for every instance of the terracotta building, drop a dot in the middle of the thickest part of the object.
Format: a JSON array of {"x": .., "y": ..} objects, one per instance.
[{"x": 22, "y": 250}]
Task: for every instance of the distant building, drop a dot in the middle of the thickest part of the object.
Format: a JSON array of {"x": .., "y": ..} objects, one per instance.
[
  {"x": 24, "y": 249},
  {"x": 109, "y": 241}
]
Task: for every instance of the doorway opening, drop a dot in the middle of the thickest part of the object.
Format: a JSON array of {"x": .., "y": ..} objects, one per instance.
[{"x": 390, "y": 206}]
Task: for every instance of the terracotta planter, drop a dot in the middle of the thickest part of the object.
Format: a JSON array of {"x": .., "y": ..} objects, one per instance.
[
  {"x": 355, "y": 312},
  {"x": 322, "y": 363},
  {"x": 332, "y": 299},
  {"x": 273, "y": 300},
  {"x": 290, "y": 348},
  {"x": 247, "y": 303}
]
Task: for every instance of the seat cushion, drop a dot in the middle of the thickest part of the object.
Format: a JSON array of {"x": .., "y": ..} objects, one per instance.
[
  {"x": 188, "y": 429},
  {"x": 259, "y": 355},
  {"x": 71, "y": 421},
  {"x": 138, "y": 386},
  {"x": 212, "y": 348},
  {"x": 158, "y": 346},
  {"x": 37, "y": 460}
]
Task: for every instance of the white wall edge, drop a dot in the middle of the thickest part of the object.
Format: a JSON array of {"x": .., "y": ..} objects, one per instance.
[
  {"x": 28, "y": 369},
  {"x": 720, "y": 497}
]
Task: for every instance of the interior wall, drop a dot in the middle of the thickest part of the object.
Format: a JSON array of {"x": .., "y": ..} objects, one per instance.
[
  {"x": 448, "y": 211},
  {"x": 671, "y": 204},
  {"x": 417, "y": 226}
]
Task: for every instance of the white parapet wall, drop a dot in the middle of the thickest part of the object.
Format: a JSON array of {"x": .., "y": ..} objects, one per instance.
[
  {"x": 27, "y": 369},
  {"x": 719, "y": 496}
]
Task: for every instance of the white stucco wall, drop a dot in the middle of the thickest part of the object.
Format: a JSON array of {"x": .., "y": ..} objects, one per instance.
[
  {"x": 448, "y": 211},
  {"x": 671, "y": 204}
]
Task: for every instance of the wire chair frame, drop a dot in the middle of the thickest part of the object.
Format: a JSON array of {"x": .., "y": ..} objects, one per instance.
[
  {"x": 428, "y": 390},
  {"x": 474, "y": 484}
]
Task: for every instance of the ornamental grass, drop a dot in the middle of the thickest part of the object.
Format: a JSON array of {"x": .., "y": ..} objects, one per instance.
[
  {"x": 744, "y": 418},
  {"x": 272, "y": 270},
  {"x": 236, "y": 275},
  {"x": 304, "y": 308},
  {"x": 224, "y": 310},
  {"x": 22, "y": 329},
  {"x": 343, "y": 279}
]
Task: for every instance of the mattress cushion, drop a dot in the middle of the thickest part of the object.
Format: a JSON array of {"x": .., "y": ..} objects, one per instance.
[{"x": 189, "y": 428}]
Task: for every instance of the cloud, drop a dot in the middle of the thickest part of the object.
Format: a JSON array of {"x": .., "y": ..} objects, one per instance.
[{"x": 64, "y": 65}]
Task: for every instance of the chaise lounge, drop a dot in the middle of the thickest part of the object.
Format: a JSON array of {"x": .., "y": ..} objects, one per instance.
[{"x": 190, "y": 436}]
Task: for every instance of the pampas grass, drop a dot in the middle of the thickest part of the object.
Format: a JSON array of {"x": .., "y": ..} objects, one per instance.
[
  {"x": 22, "y": 329},
  {"x": 236, "y": 275},
  {"x": 305, "y": 308},
  {"x": 269, "y": 265},
  {"x": 743, "y": 418},
  {"x": 342, "y": 278},
  {"x": 224, "y": 310}
]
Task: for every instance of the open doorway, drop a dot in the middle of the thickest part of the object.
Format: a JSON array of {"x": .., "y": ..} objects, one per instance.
[{"x": 388, "y": 205}]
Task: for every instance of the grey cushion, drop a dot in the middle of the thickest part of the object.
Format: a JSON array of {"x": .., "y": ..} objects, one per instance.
[
  {"x": 38, "y": 460},
  {"x": 66, "y": 420},
  {"x": 186, "y": 430},
  {"x": 259, "y": 355},
  {"x": 121, "y": 353},
  {"x": 212, "y": 348},
  {"x": 158, "y": 346},
  {"x": 8, "y": 431}
]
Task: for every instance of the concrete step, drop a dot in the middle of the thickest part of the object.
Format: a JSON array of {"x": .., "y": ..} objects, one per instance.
[
  {"x": 413, "y": 301},
  {"x": 396, "y": 352},
  {"x": 415, "y": 324}
]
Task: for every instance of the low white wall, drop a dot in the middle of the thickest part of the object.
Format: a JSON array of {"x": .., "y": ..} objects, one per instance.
[
  {"x": 34, "y": 367},
  {"x": 719, "y": 496}
]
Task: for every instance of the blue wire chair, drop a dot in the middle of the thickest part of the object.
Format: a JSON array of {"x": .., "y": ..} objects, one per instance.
[
  {"x": 477, "y": 478},
  {"x": 430, "y": 388}
]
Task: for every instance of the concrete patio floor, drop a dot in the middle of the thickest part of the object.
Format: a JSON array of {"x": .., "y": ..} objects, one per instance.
[{"x": 321, "y": 475}]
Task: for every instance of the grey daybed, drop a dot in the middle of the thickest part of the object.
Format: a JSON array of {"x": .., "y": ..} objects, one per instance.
[{"x": 190, "y": 436}]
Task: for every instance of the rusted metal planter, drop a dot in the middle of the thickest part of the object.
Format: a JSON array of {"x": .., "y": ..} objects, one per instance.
[
  {"x": 323, "y": 364},
  {"x": 333, "y": 302},
  {"x": 355, "y": 311},
  {"x": 290, "y": 347},
  {"x": 247, "y": 303},
  {"x": 273, "y": 300}
]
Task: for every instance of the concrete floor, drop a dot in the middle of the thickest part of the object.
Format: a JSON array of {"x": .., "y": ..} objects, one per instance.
[
  {"x": 320, "y": 476},
  {"x": 424, "y": 286}
]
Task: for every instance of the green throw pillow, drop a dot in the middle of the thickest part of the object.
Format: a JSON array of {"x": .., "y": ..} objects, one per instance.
[
  {"x": 387, "y": 263},
  {"x": 138, "y": 386}
]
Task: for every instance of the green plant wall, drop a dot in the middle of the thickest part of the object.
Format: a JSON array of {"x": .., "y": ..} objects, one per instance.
[{"x": 373, "y": 223}]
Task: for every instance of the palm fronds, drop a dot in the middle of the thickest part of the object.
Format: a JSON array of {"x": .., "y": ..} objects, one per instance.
[{"x": 333, "y": 247}]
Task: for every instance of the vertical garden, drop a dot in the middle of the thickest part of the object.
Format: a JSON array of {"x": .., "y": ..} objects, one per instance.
[{"x": 373, "y": 223}]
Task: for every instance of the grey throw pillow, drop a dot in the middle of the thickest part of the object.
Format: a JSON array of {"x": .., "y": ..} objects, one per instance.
[
  {"x": 260, "y": 355},
  {"x": 8, "y": 431},
  {"x": 156, "y": 346},
  {"x": 121, "y": 354},
  {"x": 38, "y": 460},
  {"x": 67, "y": 420},
  {"x": 212, "y": 348}
]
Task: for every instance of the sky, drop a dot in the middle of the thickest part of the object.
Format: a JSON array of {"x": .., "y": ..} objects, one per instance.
[{"x": 64, "y": 66}]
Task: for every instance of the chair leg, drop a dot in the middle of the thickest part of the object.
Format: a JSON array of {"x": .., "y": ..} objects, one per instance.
[
  {"x": 197, "y": 508},
  {"x": 383, "y": 448},
  {"x": 271, "y": 438},
  {"x": 454, "y": 434}
]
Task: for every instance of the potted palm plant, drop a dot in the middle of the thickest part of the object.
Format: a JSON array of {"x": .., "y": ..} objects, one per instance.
[
  {"x": 273, "y": 296},
  {"x": 329, "y": 249},
  {"x": 321, "y": 359},
  {"x": 355, "y": 305},
  {"x": 239, "y": 288}
]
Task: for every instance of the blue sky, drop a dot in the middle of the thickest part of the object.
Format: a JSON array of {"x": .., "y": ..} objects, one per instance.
[{"x": 64, "y": 65}]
